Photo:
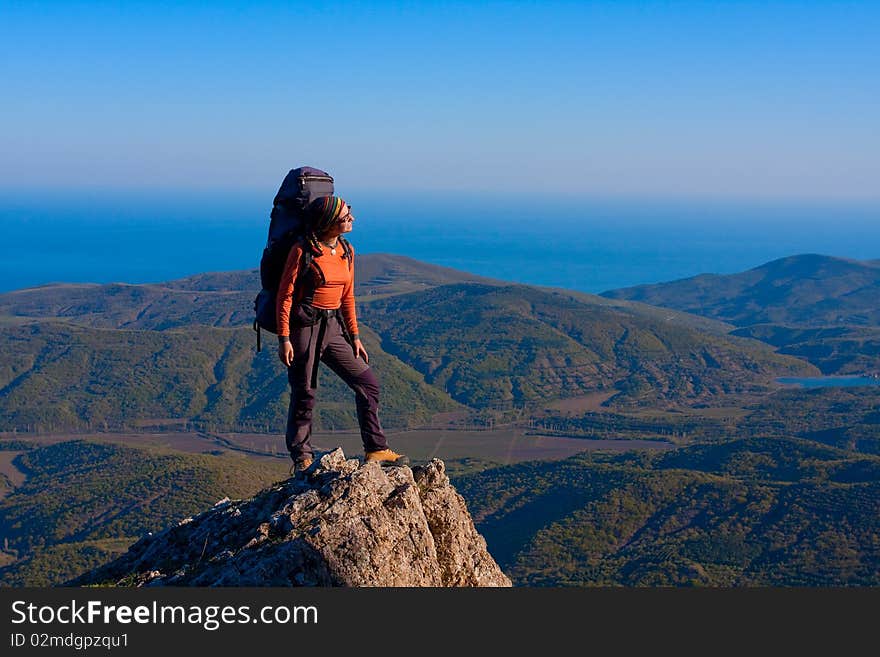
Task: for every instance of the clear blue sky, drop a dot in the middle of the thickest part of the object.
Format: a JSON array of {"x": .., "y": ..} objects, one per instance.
[{"x": 751, "y": 100}]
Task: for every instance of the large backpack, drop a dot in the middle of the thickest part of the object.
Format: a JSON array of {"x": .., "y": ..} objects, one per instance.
[{"x": 287, "y": 225}]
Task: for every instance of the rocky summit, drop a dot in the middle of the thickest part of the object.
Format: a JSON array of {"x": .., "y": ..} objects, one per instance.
[{"x": 340, "y": 523}]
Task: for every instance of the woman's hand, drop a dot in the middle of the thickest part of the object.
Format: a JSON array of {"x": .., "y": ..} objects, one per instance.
[
  {"x": 359, "y": 350},
  {"x": 285, "y": 353}
]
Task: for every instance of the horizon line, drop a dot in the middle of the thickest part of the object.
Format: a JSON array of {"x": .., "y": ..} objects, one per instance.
[{"x": 437, "y": 193}]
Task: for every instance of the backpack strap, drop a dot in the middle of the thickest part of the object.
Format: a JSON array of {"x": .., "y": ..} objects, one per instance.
[
  {"x": 347, "y": 251},
  {"x": 307, "y": 265}
]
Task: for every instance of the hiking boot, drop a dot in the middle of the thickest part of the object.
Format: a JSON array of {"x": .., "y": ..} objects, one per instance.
[
  {"x": 386, "y": 457},
  {"x": 300, "y": 465}
]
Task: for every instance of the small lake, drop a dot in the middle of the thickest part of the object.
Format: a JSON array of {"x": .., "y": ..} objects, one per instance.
[{"x": 829, "y": 381}]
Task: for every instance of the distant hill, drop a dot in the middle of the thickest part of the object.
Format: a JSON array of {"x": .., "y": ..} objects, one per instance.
[
  {"x": 384, "y": 274},
  {"x": 803, "y": 290},
  {"x": 214, "y": 299},
  {"x": 516, "y": 344},
  {"x": 57, "y": 376},
  {"x": 376, "y": 273},
  {"x": 750, "y": 512},
  {"x": 837, "y": 299}
]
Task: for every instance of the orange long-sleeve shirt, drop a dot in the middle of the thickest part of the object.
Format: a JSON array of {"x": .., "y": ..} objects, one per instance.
[{"x": 336, "y": 292}]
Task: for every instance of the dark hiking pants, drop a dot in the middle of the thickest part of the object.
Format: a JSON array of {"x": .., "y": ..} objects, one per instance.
[{"x": 325, "y": 342}]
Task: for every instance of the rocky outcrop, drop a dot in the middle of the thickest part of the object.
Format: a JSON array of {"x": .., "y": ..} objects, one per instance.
[{"x": 340, "y": 523}]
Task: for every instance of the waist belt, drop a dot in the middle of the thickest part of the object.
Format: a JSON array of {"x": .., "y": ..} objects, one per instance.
[{"x": 324, "y": 314}]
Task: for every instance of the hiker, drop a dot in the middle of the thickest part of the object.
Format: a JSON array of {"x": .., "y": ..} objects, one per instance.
[{"x": 316, "y": 321}]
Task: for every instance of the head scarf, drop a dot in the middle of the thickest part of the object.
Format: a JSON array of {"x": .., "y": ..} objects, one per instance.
[{"x": 323, "y": 213}]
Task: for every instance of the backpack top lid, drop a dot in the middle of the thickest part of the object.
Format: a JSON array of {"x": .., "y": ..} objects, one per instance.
[{"x": 303, "y": 185}]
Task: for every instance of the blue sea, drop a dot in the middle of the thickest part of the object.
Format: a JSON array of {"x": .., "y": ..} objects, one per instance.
[{"x": 586, "y": 244}]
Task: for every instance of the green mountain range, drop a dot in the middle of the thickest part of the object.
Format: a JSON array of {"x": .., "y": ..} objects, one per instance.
[
  {"x": 105, "y": 356},
  {"x": 823, "y": 309}
]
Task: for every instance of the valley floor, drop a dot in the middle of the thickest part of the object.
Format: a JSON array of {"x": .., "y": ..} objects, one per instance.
[{"x": 501, "y": 446}]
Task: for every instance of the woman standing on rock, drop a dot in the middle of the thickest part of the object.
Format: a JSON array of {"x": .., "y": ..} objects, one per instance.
[{"x": 317, "y": 322}]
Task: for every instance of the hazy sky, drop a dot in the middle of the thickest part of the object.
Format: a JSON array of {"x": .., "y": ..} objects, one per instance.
[{"x": 775, "y": 100}]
